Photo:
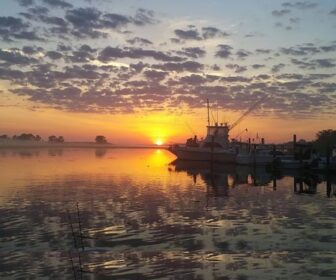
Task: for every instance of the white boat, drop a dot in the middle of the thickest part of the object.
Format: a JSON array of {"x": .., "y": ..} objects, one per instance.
[
  {"x": 260, "y": 156},
  {"x": 264, "y": 155},
  {"x": 290, "y": 162},
  {"x": 215, "y": 147}
]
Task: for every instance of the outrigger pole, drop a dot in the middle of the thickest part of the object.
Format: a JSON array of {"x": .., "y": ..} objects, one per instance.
[{"x": 208, "y": 112}]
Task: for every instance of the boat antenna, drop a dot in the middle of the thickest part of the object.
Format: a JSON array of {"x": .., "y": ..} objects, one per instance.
[{"x": 208, "y": 112}]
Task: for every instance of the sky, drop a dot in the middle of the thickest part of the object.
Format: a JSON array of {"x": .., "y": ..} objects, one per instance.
[{"x": 140, "y": 71}]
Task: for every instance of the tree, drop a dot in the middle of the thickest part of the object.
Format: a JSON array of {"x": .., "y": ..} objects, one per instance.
[
  {"x": 52, "y": 139},
  {"x": 324, "y": 139},
  {"x": 100, "y": 139},
  {"x": 55, "y": 139},
  {"x": 25, "y": 137},
  {"x": 4, "y": 137}
]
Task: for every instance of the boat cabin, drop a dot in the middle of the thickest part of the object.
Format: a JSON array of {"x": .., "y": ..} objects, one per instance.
[{"x": 217, "y": 136}]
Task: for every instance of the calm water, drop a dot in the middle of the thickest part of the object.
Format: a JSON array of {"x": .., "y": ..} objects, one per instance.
[{"x": 144, "y": 218}]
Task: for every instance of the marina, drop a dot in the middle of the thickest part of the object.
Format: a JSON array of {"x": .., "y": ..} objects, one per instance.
[{"x": 217, "y": 147}]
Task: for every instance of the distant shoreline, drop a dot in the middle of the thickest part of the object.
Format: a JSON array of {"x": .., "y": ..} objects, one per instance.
[{"x": 87, "y": 145}]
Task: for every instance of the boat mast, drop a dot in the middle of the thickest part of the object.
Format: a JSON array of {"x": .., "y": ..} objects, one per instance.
[{"x": 208, "y": 112}]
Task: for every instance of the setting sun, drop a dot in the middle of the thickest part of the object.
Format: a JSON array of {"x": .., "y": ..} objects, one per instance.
[{"x": 159, "y": 142}]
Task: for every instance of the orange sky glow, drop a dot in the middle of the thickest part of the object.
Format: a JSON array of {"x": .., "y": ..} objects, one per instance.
[{"x": 151, "y": 128}]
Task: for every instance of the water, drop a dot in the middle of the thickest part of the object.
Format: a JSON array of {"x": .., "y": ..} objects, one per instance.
[{"x": 144, "y": 218}]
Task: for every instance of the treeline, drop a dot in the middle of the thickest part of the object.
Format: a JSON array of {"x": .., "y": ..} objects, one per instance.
[
  {"x": 32, "y": 137},
  {"x": 99, "y": 139},
  {"x": 325, "y": 139}
]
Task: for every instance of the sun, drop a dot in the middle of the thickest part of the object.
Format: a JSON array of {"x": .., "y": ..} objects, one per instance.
[{"x": 158, "y": 142}]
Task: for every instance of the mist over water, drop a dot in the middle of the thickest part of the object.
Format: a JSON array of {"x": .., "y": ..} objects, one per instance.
[{"x": 144, "y": 217}]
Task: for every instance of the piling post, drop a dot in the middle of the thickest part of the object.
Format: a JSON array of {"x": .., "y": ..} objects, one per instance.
[
  {"x": 274, "y": 158},
  {"x": 328, "y": 182},
  {"x": 328, "y": 157},
  {"x": 294, "y": 144},
  {"x": 249, "y": 144},
  {"x": 263, "y": 141},
  {"x": 254, "y": 154},
  {"x": 274, "y": 182},
  {"x": 212, "y": 146},
  {"x": 274, "y": 150}
]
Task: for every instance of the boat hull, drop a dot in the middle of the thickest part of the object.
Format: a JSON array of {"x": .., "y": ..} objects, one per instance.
[{"x": 203, "y": 154}]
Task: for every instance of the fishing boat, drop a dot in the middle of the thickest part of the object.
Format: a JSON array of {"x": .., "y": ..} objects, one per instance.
[
  {"x": 259, "y": 156},
  {"x": 216, "y": 145}
]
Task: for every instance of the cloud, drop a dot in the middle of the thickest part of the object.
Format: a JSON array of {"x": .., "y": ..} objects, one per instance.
[
  {"x": 25, "y": 3},
  {"x": 54, "y": 21},
  {"x": 27, "y": 35},
  {"x": 90, "y": 22},
  {"x": 330, "y": 48},
  {"x": 84, "y": 20},
  {"x": 258, "y": 66},
  {"x": 324, "y": 63},
  {"x": 80, "y": 76},
  {"x": 224, "y": 51},
  {"x": 294, "y": 20},
  {"x": 30, "y": 50},
  {"x": 11, "y": 75},
  {"x": 155, "y": 75},
  {"x": 193, "y": 79},
  {"x": 236, "y": 79},
  {"x": 300, "y": 51},
  {"x": 314, "y": 63},
  {"x": 187, "y": 66},
  {"x": 263, "y": 51},
  {"x": 58, "y": 3},
  {"x": 193, "y": 52},
  {"x": 144, "y": 17},
  {"x": 211, "y": 32},
  {"x": 302, "y": 64},
  {"x": 190, "y": 34},
  {"x": 10, "y": 26},
  {"x": 111, "y": 53},
  {"x": 113, "y": 21},
  {"x": 242, "y": 54},
  {"x": 215, "y": 67},
  {"x": 13, "y": 57},
  {"x": 193, "y": 34},
  {"x": 278, "y": 67},
  {"x": 280, "y": 13},
  {"x": 333, "y": 12},
  {"x": 300, "y": 5},
  {"x": 140, "y": 41},
  {"x": 54, "y": 55},
  {"x": 236, "y": 68},
  {"x": 38, "y": 11}
]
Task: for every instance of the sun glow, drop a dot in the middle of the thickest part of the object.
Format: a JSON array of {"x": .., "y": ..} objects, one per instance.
[{"x": 159, "y": 142}]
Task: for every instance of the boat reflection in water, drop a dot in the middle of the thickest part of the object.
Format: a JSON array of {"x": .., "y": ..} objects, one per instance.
[{"x": 219, "y": 178}]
